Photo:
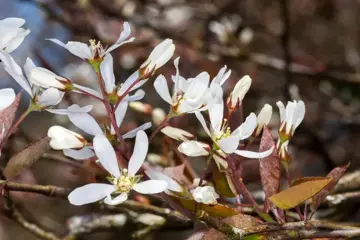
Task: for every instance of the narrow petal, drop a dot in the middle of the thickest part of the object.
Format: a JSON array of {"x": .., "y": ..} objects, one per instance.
[
  {"x": 106, "y": 154},
  {"x": 84, "y": 153},
  {"x": 133, "y": 132},
  {"x": 229, "y": 144},
  {"x": 176, "y": 78},
  {"x": 7, "y": 97},
  {"x": 177, "y": 133},
  {"x": 107, "y": 73},
  {"x": 139, "y": 154},
  {"x": 281, "y": 110},
  {"x": 201, "y": 119},
  {"x": 194, "y": 148},
  {"x": 87, "y": 89},
  {"x": 11, "y": 22},
  {"x": 90, "y": 193},
  {"x": 151, "y": 186},
  {"x": 250, "y": 154},
  {"x": 16, "y": 40},
  {"x": 246, "y": 128},
  {"x": 300, "y": 114},
  {"x": 172, "y": 184},
  {"x": 79, "y": 49},
  {"x": 28, "y": 66},
  {"x": 128, "y": 82},
  {"x": 72, "y": 109},
  {"x": 138, "y": 95},
  {"x": 117, "y": 200},
  {"x": 85, "y": 122},
  {"x": 216, "y": 113},
  {"x": 161, "y": 87},
  {"x": 50, "y": 97}
]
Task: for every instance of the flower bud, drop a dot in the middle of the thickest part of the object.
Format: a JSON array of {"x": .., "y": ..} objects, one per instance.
[
  {"x": 177, "y": 133},
  {"x": 283, "y": 152},
  {"x": 290, "y": 117},
  {"x": 263, "y": 118},
  {"x": 158, "y": 57},
  {"x": 158, "y": 116},
  {"x": 238, "y": 94},
  {"x": 205, "y": 195},
  {"x": 62, "y": 138},
  {"x": 141, "y": 107},
  {"x": 194, "y": 148},
  {"x": 47, "y": 79}
]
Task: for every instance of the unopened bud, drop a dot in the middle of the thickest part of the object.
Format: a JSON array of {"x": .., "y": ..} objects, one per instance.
[
  {"x": 238, "y": 94},
  {"x": 263, "y": 118},
  {"x": 62, "y": 138},
  {"x": 141, "y": 107},
  {"x": 47, "y": 79},
  {"x": 158, "y": 116},
  {"x": 194, "y": 148}
]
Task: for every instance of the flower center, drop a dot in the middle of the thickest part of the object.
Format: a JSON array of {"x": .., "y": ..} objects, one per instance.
[
  {"x": 96, "y": 48},
  {"x": 124, "y": 183}
]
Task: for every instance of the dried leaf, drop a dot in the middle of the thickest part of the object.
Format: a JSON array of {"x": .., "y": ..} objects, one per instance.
[
  {"x": 7, "y": 116},
  {"x": 269, "y": 168},
  {"x": 335, "y": 175},
  {"x": 176, "y": 173},
  {"x": 197, "y": 235},
  {"x": 297, "y": 194},
  {"x": 221, "y": 183},
  {"x": 26, "y": 157},
  {"x": 305, "y": 179},
  {"x": 218, "y": 210}
]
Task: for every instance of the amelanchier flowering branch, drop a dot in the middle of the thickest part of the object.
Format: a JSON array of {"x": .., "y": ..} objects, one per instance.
[{"x": 119, "y": 172}]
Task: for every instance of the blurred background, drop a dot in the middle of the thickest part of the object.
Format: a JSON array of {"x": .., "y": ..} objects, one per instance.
[{"x": 292, "y": 49}]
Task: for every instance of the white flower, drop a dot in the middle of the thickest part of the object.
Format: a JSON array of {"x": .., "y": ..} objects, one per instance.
[
  {"x": 161, "y": 54},
  {"x": 224, "y": 138},
  {"x": 291, "y": 117},
  {"x": 172, "y": 184},
  {"x": 47, "y": 79},
  {"x": 188, "y": 95},
  {"x": 43, "y": 98},
  {"x": 122, "y": 180},
  {"x": 238, "y": 94},
  {"x": 194, "y": 148},
  {"x": 7, "y": 97},
  {"x": 205, "y": 195},
  {"x": 95, "y": 50},
  {"x": 12, "y": 34},
  {"x": 62, "y": 138},
  {"x": 263, "y": 118},
  {"x": 177, "y": 133}
]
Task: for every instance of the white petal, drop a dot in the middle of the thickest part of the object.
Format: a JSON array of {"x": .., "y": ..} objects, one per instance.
[
  {"x": 90, "y": 193},
  {"x": 246, "y": 128},
  {"x": 84, "y": 153},
  {"x": 250, "y": 154},
  {"x": 240, "y": 89},
  {"x": 161, "y": 87},
  {"x": 128, "y": 82},
  {"x": 7, "y": 97},
  {"x": 222, "y": 76},
  {"x": 62, "y": 138},
  {"x": 28, "y": 66},
  {"x": 79, "y": 49},
  {"x": 107, "y": 73},
  {"x": 229, "y": 144},
  {"x": 12, "y": 68},
  {"x": 197, "y": 88},
  {"x": 281, "y": 110},
  {"x": 46, "y": 79},
  {"x": 121, "y": 40},
  {"x": 50, "y": 97},
  {"x": 216, "y": 113},
  {"x": 120, "y": 112},
  {"x": 176, "y": 78},
  {"x": 133, "y": 132},
  {"x": 11, "y": 22},
  {"x": 85, "y": 122},
  {"x": 300, "y": 114},
  {"x": 201, "y": 119},
  {"x": 87, "y": 89},
  {"x": 194, "y": 148},
  {"x": 106, "y": 154},
  {"x": 172, "y": 184},
  {"x": 16, "y": 40},
  {"x": 138, "y": 95},
  {"x": 139, "y": 154},
  {"x": 117, "y": 200},
  {"x": 177, "y": 133},
  {"x": 264, "y": 115},
  {"x": 150, "y": 186},
  {"x": 72, "y": 109}
]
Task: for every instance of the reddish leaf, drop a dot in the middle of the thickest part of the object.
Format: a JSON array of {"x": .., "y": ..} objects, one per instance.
[
  {"x": 7, "y": 116},
  {"x": 26, "y": 157},
  {"x": 176, "y": 173},
  {"x": 335, "y": 174},
  {"x": 269, "y": 168},
  {"x": 293, "y": 196},
  {"x": 197, "y": 235}
]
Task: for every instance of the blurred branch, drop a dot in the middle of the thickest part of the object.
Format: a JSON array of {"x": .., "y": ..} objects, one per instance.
[{"x": 349, "y": 182}]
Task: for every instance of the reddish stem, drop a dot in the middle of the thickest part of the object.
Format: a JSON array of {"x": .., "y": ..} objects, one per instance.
[
  {"x": 126, "y": 92},
  {"x": 88, "y": 94}
]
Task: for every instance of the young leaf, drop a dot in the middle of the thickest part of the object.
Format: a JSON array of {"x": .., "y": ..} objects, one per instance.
[
  {"x": 297, "y": 194},
  {"x": 269, "y": 168},
  {"x": 7, "y": 116},
  {"x": 222, "y": 183},
  {"x": 335, "y": 175},
  {"x": 26, "y": 157}
]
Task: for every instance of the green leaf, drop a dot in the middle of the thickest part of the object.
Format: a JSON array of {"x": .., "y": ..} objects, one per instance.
[
  {"x": 297, "y": 194},
  {"x": 26, "y": 157},
  {"x": 222, "y": 184}
]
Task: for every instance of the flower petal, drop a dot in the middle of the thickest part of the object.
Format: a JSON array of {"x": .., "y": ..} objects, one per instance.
[
  {"x": 107, "y": 73},
  {"x": 87, "y": 89},
  {"x": 138, "y": 95},
  {"x": 79, "y": 49},
  {"x": 90, "y": 193},
  {"x": 139, "y": 154},
  {"x": 229, "y": 144},
  {"x": 117, "y": 200},
  {"x": 194, "y": 148},
  {"x": 50, "y": 97},
  {"x": 84, "y": 153},
  {"x": 161, "y": 87},
  {"x": 128, "y": 82},
  {"x": 246, "y": 128},
  {"x": 216, "y": 113},
  {"x": 133, "y": 132},
  {"x": 151, "y": 186},
  {"x": 7, "y": 97},
  {"x": 106, "y": 154},
  {"x": 250, "y": 154},
  {"x": 281, "y": 110},
  {"x": 172, "y": 184},
  {"x": 85, "y": 122},
  {"x": 176, "y": 133},
  {"x": 72, "y": 109},
  {"x": 201, "y": 119}
]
